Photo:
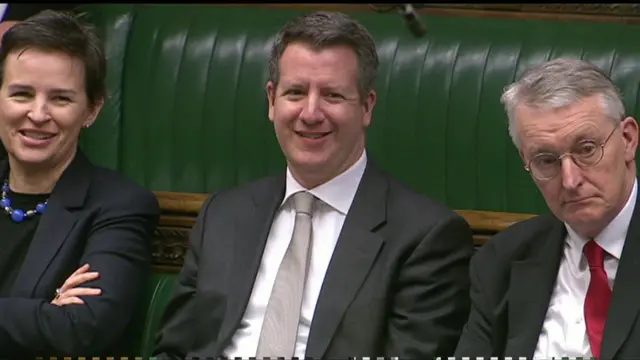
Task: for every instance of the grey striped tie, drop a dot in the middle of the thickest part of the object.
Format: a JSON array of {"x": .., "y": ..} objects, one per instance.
[{"x": 280, "y": 327}]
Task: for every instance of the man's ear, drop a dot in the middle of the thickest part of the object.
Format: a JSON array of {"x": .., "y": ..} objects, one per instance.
[
  {"x": 629, "y": 129},
  {"x": 271, "y": 96},
  {"x": 369, "y": 104}
]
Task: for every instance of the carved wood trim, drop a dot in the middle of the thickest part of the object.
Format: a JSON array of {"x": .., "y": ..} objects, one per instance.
[
  {"x": 170, "y": 245},
  {"x": 180, "y": 203},
  {"x": 179, "y": 212}
]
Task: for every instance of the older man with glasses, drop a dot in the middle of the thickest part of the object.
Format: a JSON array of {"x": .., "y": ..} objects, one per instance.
[{"x": 545, "y": 287}]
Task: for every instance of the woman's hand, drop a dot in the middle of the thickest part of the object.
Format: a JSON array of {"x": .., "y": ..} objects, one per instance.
[{"x": 70, "y": 292}]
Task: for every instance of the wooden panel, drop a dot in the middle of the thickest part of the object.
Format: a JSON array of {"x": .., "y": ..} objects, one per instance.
[
  {"x": 182, "y": 203},
  {"x": 179, "y": 212}
]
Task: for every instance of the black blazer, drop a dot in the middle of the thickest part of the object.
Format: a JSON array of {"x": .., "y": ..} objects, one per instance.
[
  {"x": 397, "y": 284},
  {"x": 513, "y": 277},
  {"x": 93, "y": 216}
]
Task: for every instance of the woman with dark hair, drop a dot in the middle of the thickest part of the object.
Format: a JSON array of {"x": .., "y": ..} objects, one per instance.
[
  {"x": 4, "y": 26},
  {"x": 75, "y": 243}
]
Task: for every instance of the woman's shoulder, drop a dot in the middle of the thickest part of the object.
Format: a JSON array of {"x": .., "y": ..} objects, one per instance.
[{"x": 111, "y": 187}]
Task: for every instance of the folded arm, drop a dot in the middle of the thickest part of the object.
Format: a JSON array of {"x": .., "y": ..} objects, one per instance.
[{"x": 118, "y": 248}]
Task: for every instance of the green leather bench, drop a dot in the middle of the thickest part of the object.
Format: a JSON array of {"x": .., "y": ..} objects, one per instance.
[{"x": 187, "y": 112}]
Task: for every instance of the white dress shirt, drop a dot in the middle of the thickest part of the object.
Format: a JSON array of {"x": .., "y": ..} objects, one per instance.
[
  {"x": 564, "y": 332},
  {"x": 329, "y": 214}
]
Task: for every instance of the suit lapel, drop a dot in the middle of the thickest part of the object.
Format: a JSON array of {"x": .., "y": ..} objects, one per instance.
[
  {"x": 55, "y": 224},
  {"x": 624, "y": 306},
  {"x": 355, "y": 253},
  {"x": 252, "y": 230},
  {"x": 530, "y": 290}
]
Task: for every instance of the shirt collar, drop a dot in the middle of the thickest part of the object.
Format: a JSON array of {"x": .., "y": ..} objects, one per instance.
[
  {"x": 338, "y": 192},
  {"x": 612, "y": 238}
]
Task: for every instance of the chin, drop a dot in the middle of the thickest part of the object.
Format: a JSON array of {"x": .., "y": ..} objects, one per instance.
[
  {"x": 32, "y": 157},
  {"x": 309, "y": 160},
  {"x": 585, "y": 220}
]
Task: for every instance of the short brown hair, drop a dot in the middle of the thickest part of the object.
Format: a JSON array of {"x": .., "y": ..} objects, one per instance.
[
  {"x": 322, "y": 29},
  {"x": 61, "y": 32}
]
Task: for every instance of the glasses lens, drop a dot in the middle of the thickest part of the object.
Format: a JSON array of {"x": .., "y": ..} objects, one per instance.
[
  {"x": 544, "y": 166},
  {"x": 588, "y": 154}
]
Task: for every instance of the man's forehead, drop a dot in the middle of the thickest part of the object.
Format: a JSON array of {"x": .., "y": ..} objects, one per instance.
[
  {"x": 581, "y": 119},
  {"x": 550, "y": 141}
]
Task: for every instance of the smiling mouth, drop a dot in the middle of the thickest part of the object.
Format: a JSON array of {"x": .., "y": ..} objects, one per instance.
[
  {"x": 36, "y": 135},
  {"x": 312, "y": 135}
]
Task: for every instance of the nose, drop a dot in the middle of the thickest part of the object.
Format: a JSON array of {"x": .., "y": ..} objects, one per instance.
[
  {"x": 311, "y": 111},
  {"x": 571, "y": 173},
  {"x": 39, "y": 111}
]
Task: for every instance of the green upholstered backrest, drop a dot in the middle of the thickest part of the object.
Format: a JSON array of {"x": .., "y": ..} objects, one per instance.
[
  {"x": 158, "y": 295},
  {"x": 188, "y": 110}
]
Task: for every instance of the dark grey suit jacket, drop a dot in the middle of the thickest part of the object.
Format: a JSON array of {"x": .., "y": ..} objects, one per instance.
[
  {"x": 95, "y": 217},
  {"x": 397, "y": 284},
  {"x": 512, "y": 279}
]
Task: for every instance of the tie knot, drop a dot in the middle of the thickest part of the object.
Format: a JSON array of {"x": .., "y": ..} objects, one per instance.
[
  {"x": 594, "y": 254},
  {"x": 303, "y": 201}
]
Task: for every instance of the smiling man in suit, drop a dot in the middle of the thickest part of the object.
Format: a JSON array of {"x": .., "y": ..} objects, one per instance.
[
  {"x": 332, "y": 258},
  {"x": 545, "y": 286}
]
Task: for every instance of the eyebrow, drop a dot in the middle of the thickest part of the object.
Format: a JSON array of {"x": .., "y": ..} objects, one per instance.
[
  {"x": 574, "y": 140},
  {"x": 288, "y": 83},
  {"x": 302, "y": 84},
  {"x": 24, "y": 87},
  {"x": 18, "y": 87},
  {"x": 284, "y": 87},
  {"x": 541, "y": 150}
]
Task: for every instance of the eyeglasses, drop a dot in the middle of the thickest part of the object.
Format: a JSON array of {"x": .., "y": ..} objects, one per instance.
[{"x": 546, "y": 166}]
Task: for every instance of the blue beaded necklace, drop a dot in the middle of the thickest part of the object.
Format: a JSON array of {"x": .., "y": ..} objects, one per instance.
[{"x": 18, "y": 215}]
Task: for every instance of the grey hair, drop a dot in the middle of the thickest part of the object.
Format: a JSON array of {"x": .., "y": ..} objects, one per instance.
[
  {"x": 557, "y": 84},
  {"x": 322, "y": 29}
]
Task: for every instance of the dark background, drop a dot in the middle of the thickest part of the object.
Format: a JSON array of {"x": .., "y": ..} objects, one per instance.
[{"x": 22, "y": 11}]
